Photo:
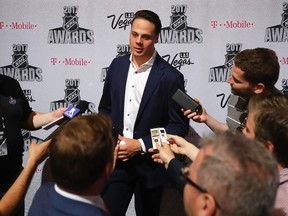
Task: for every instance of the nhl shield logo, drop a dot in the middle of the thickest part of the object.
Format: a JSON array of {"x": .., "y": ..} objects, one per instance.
[
  {"x": 26, "y": 134},
  {"x": 229, "y": 60},
  {"x": 20, "y": 61},
  {"x": 178, "y": 22},
  {"x": 70, "y": 23},
  {"x": 72, "y": 96},
  {"x": 284, "y": 21}
]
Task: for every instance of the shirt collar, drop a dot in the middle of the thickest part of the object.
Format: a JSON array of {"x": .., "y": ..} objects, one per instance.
[
  {"x": 92, "y": 200},
  {"x": 147, "y": 64}
]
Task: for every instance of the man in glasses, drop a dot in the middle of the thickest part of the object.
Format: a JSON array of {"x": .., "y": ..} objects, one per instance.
[{"x": 231, "y": 175}]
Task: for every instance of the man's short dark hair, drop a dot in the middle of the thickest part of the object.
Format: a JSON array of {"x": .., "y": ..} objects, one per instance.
[
  {"x": 260, "y": 65},
  {"x": 149, "y": 16}
]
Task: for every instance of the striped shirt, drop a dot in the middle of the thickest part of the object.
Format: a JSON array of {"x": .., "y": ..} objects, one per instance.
[{"x": 237, "y": 112}]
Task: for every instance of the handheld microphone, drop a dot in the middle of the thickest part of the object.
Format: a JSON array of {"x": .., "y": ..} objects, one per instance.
[{"x": 70, "y": 113}]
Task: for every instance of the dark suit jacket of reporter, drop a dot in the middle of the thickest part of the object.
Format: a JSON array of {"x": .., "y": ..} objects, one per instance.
[
  {"x": 47, "y": 202},
  {"x": 156, "y": 110}
]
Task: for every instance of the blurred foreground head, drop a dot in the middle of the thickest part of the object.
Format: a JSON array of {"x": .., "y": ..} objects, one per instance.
[
  {"x": 82, "y": 153},
  {"x": 237, "y": 176}
]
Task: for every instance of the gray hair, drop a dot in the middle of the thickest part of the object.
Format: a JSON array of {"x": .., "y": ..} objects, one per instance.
[{"x": 240, "y": 173}]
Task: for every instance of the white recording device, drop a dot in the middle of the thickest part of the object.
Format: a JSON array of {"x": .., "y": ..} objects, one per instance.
[{"x": 158, "y": 136}]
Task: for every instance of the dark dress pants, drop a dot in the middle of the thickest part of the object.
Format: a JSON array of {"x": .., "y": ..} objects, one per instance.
[{"x": 120, "y": 189}]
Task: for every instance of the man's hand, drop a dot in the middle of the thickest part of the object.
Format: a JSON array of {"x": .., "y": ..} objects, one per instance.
[
  {"x": 57, "y": 113},
  {"x": 200, "y": 117},
  {"x": 116, "y": 150},
  {"x": 38, "y": 152},
  {"x": 180, "y": 146},
  {"x": 37, "y": 119},
  {"x": 164, "y": 154},
  {"x": 128, "y": 148}
]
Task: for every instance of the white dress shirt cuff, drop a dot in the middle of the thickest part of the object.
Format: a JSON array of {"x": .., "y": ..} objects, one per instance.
[{"x": 143, "y": 147}]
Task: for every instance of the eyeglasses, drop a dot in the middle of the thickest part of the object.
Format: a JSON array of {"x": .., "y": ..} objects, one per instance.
[{"x": 185, "y": 173}]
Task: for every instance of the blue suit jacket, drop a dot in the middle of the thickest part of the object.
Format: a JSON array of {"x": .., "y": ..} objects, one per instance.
[
  {"x": 156, "y": 109},
  {"x": 47, "y": 202}
]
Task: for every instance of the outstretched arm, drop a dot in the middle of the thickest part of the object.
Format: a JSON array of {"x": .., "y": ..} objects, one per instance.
[
  {"x": 180, "y": 146},
  {"x": 16, "y": 193},
  {"x": 36, "y": 119},
  {"x": 204, "y": 117}
]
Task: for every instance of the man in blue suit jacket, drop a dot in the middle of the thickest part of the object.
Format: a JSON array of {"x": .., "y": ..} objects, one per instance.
[
  {"x": 137, "y": 97},
  {"x": 81, "y": 160}
]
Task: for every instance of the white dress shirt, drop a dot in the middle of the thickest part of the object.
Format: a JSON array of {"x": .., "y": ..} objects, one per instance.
[{"x": 135, "y": 85}]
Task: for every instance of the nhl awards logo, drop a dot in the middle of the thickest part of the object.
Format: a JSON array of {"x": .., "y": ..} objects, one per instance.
[
  {"x": 179, "y": 31},
  {"x": 20, "y": 68},
  {"x": 72, "y": 93},
  {"x": 28, "y": 138},
  {"x": 72, "y": 97},
  {"x": 70, "y": 32},
  {"x": 122, "y": 49},
  {"x": 222, "y": 72},
  {"x": 278, "y": 33}
]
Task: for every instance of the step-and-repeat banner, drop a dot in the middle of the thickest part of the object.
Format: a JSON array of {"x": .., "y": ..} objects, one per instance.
[{"x": 60, "y": 51}]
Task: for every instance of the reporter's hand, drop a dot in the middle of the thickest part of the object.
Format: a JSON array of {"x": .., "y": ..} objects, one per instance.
[
  {"x": 180, "y": 146},
  {"x": 155, "y": 155},
  {"x": 200, "y": 117},
  {"x": 38, "y": 152},
  {"x": 164, "y": 154},
  {"x": 57, "y": 113}
]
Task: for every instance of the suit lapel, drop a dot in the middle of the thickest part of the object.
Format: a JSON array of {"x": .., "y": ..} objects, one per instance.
[
  {"x": 121, "y": 80},
  {"x": 153, "y": 80}
]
